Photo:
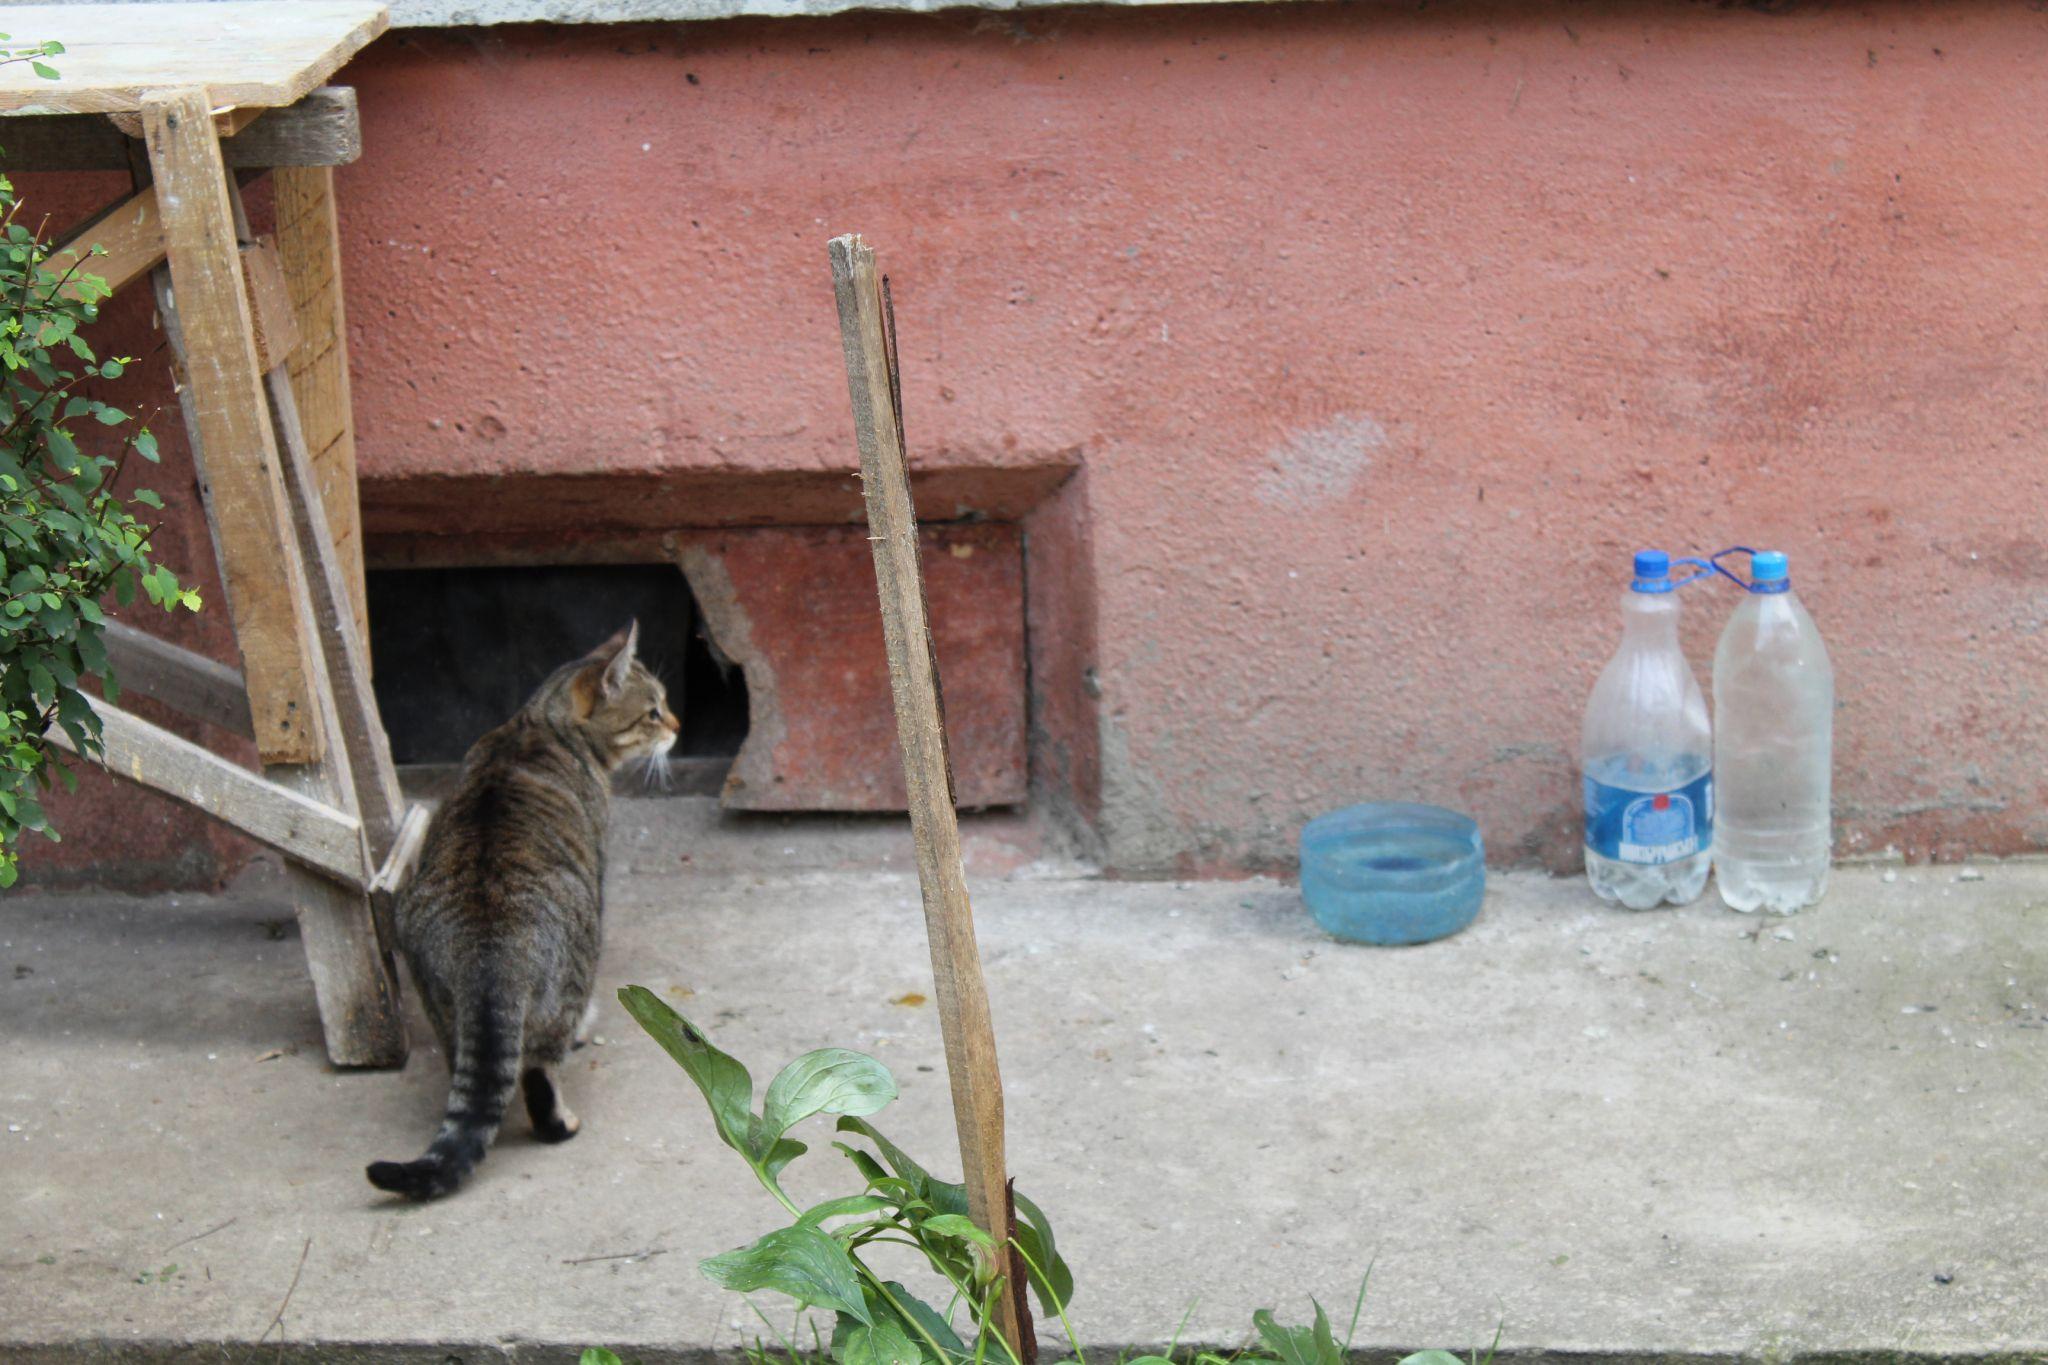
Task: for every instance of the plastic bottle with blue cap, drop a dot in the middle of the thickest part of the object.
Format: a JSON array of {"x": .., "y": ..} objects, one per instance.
[
  {"x": 1647, "y": 754},
  {"x": 1774, "y": 712}
]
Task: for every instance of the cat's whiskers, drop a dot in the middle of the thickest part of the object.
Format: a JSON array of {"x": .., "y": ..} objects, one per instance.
[{"x": 655, "y": 774}]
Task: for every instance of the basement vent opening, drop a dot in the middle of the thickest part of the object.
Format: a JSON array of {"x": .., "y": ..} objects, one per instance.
[{"x": 456, "y": 651}]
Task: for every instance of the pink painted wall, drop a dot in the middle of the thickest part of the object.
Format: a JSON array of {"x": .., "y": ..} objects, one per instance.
[{"x": 1381, "y": 335}]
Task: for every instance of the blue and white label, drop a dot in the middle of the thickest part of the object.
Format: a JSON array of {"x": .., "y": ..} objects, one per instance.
[{"x": 1650, "y": 828}]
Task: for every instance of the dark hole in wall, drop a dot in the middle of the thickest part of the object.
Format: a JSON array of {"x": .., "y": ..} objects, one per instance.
[{"x": 457, "y": 651}]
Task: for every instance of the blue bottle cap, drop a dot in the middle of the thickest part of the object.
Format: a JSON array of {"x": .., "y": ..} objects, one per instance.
[
  {"x": 1769, "y": 566},
  {"x": 1653, "y": 571}
]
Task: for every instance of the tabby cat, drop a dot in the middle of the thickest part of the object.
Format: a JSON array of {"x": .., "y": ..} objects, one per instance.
[{"x": 501, "y": 920}]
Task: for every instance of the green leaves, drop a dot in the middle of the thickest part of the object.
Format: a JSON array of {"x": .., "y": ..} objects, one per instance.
[
  {"x": 829, "y": 1081},
  {"x": 67, "y": 535},
  {"x": 726, "y": 1086},
  {"x": 1312, "y": 1345},
  {"x": 884, "y": 1341},
  {"x": 801, "y": 1262}
]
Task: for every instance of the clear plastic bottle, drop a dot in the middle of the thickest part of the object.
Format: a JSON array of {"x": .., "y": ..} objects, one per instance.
[
  {"x": 1774, "y": 713},
  {"x": 1648, "y": 757}
]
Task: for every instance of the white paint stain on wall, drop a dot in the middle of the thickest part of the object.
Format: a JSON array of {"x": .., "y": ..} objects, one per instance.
[{"x": 1319, "y": 465}]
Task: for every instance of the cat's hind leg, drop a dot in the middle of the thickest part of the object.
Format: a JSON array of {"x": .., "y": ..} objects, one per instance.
[{"x": 552, "y": 1120}]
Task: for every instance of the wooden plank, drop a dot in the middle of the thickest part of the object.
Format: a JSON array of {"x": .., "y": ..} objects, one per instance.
[
  {"x": 323, "y": 129},
  {"x": 405, "y": 851},
  {"x": 921, "y": 728},
  {"x": 264, "y": 53},
  {"x": 347, "y": 953},
  {"x": 313, "y": 833},
  {"x": 132, "y": 233},
  {"x": 345, "y": 649},
  {"x": 309, "y": 246},
  {"x": 270, "y": 304},
  {"x": 190, "y": 684},
  {"x": 226, "y": 405}
]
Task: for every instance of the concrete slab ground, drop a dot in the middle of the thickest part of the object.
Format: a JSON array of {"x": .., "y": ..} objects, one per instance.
[{"x": 1676, "y": 1135}]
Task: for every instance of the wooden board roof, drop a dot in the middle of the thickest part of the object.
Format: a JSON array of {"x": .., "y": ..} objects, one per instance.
[{"x": 256, "y": 53}]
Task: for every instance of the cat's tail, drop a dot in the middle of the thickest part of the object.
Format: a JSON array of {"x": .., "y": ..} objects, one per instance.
[{"x": 489, "y": 1044}]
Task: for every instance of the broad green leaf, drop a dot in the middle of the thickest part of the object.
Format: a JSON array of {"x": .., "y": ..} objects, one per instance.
[
  {"x": 1431, "y": 1358},
  {"x": 842, "y": 1207},
  {"x": 778, "y": 1154},
  {"x": 1299, "y": 1345},
  {"x": 598, "y": 1355},
  {"x": 46, "y": 71},
  {"x": 922, "y": 1314},
  {"x": 801, "y": 1262},
  {"x": 727, "y": 1087},
  {"x": 883, "y": 1342},
  {"x": 958, "y": 1225},
  {"x": 1034, "y": 1234},
  {"x": 891, "y": 1153},
  {"x": 831, "y": 1080}
]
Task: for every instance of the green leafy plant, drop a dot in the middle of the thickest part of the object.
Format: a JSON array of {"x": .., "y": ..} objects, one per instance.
[
  {"x": 67, "y": 538},
  {"x": 818, "y": 1261},
  {"x": 33, "y": 54}
]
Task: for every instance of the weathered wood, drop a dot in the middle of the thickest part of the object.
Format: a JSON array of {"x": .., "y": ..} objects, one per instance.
[
  {"x": 323, "y": 129},
  {"x": 234, "y": 446},
  {"x": 242, "y": 52},
  {"x": 920, "y": 718},
  {"x": 344, "y": 648},
  {"x": 132, "y": 234},
  {"x": 309, "y": 246},
  {"x": 314, "y": 834},
  {"x": 405, "y": 851},
  {"x": 348, "y": 957},
  {"x": 190, "y": 684},
  {"x": 270, "y": 304}
]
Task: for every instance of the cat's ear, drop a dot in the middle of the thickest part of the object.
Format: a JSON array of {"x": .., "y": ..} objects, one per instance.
[{"x": 616, "y": 654}]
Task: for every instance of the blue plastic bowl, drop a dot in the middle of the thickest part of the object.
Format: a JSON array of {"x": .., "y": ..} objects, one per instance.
[{"x": 1391, "y": 872}]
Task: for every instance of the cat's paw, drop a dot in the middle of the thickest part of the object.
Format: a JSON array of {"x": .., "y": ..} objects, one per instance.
[{"x": 560, "y": 1127}]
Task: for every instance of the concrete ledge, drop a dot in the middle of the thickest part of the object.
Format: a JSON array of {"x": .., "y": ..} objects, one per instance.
[
  {"x": 472, "y": 13},
  {"x": 1684, "y": 1136}
]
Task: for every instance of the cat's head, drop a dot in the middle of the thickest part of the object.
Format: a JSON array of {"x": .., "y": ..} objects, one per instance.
[{"x": 615, "y": 695}]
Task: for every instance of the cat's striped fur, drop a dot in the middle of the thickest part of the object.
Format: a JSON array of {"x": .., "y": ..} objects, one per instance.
[{"x": 501, "y": 921}]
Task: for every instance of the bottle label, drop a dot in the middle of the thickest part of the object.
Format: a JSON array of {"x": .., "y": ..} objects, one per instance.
[{"x": 1650, "y": 828}]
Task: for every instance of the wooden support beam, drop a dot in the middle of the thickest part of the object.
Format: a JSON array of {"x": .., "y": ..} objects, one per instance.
[
  {"x": 405, "y": 851},
  {"x": 962, "y": 995},
  {"x": 132, "y": 232},
  {"x": 225, "y": 403},
  {"x": 309, "y": 248},
  {"x": 345, "y": 650},
  {"x": 314, "y": 834},
  {"x": 270, "y": 304},
  {"x": 190, "y": 684},
  {"x": 205, "y": 313},
  {"x": 323, "y": 129}
]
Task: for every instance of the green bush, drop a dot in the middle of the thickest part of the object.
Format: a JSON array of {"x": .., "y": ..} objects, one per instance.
[{"x": 67, "y": 538}]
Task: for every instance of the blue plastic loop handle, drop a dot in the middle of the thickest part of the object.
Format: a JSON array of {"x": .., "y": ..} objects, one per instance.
[
  {"x": 1747, "y": 585},
  {"x": 1705, "y": 569}
]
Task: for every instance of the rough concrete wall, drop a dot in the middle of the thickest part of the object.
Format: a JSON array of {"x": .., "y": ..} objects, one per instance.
[{"x": 1385, "y": 335}]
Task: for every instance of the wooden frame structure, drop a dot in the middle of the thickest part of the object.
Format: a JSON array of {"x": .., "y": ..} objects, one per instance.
[{"x": 187, "y": 98}]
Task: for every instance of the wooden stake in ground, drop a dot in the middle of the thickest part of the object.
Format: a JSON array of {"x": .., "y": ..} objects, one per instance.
[{"x": 927, "y": 770}]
